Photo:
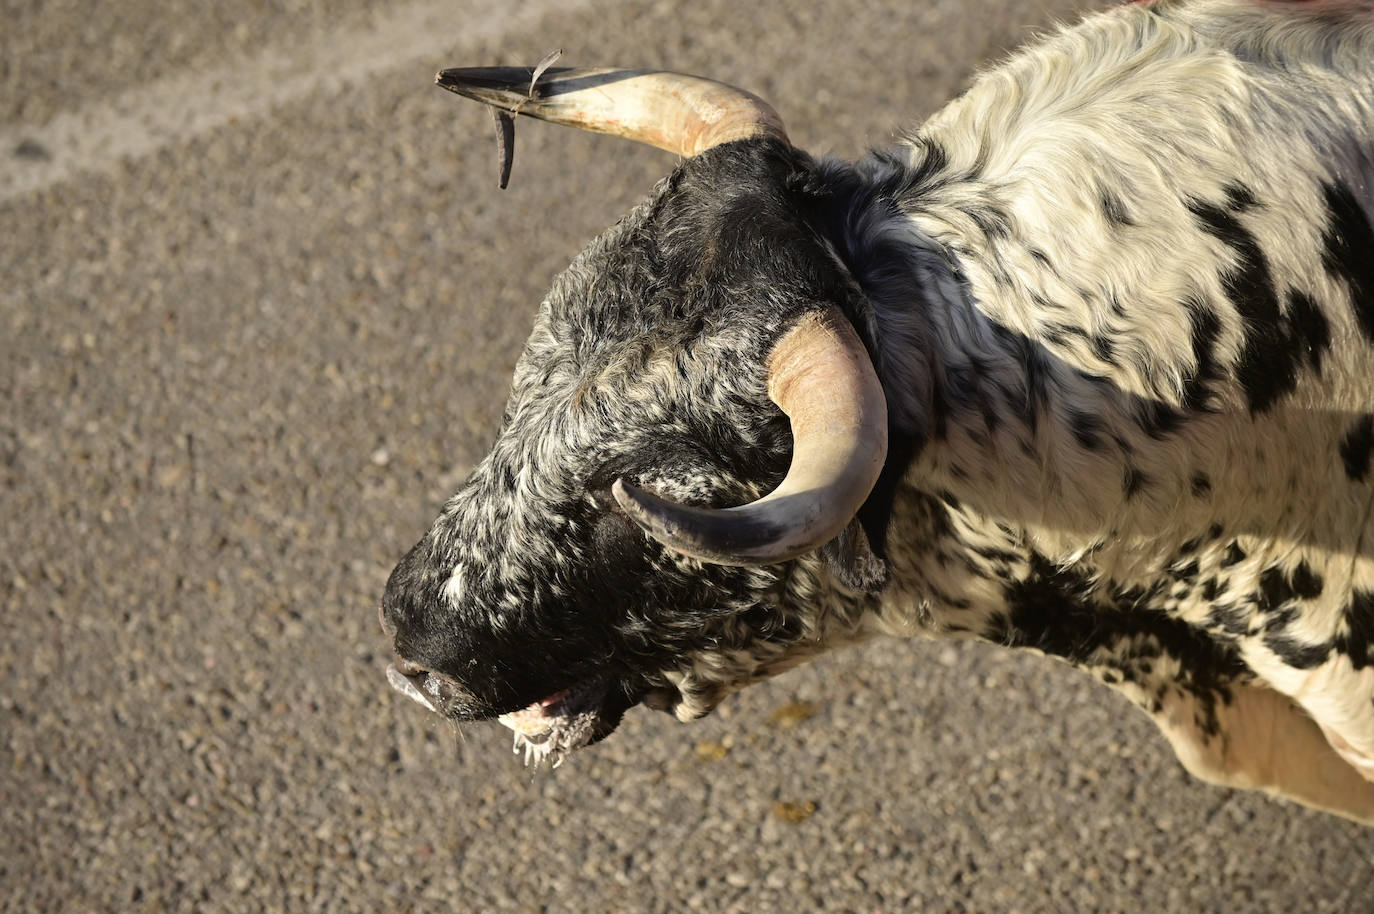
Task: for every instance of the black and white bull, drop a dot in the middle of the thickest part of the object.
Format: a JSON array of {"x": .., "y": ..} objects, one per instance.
[{"x": 1083, "y": 365}]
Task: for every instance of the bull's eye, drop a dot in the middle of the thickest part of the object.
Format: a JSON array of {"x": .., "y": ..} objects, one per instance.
[{"x": 616, "y": 538}]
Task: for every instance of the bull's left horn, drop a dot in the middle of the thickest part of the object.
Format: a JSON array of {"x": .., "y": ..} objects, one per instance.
[
  {"x": 819, "y": 375},
  {"x": 679, "y": 113}
]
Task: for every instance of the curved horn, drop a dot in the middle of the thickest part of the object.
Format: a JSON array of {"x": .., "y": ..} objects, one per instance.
[
  {"x": 819, "y": 375},
  {"x": 682, "y": 114}
]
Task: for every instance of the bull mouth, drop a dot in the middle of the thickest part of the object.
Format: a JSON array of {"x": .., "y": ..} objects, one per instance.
[
  {"x": 550, "y": 728},
  {"x": 570, "y": 719}
]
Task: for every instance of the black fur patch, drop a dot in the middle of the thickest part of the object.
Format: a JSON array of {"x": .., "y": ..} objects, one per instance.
[
  {"x": 1307, "y": 584},
  {"x": 1309, "y": 328},
  {"x": 1185, "y": 573},
  {"x": 1038, "y": 373},
  {"x": 1354, "y": 642},
  {"x": 993, "y": 221},
  {"x": 1087, "y": 429},
  {"x": 1297, "y": 654},
  {"x": 1359, "y": 630},
  {"x": 1055, "y": 610},
  {"x": 1202, "y": 485},
  {"x": 1114, "y": 208},
  {"x": 1275, "y": 344},
  {"x": 1348, "y": 242},
  {"x": 1158, "y": 419},
  {"x": 1229, "y": 618},
  {"x": 1135, "y": 481},
  {"x": 1356, "y": 448},
  {"x": 1239, "y": 198},
  {"x": 1275, "y": 590},
  {"x": 1206, "y": 328}
]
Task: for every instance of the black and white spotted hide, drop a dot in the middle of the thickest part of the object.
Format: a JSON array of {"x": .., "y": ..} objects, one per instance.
[{"x": 1120, "y": 298}]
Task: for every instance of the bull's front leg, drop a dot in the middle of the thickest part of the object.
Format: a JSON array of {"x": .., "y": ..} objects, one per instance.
[
  {"x": 1260, "y": 740},
  {"x": 1225, "y": 725}
]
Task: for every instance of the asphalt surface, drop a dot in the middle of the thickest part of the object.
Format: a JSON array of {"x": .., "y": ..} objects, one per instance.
[{"x": 260, "y": 303}]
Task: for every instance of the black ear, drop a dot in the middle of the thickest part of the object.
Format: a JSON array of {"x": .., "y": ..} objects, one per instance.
[{"x": 852, "y": 561}]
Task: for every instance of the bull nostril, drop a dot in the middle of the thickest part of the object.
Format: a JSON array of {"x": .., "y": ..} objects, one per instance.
[
  {"x": 413, "y": 685},
  {"x": 434, "y": 690}
]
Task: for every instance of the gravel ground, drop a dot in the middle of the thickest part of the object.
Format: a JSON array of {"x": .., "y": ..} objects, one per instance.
[{"x": 260, "y": 306}]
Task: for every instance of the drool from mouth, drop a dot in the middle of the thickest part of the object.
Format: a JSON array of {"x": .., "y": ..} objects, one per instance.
[
  {"x": 547, "y": 729},
  {"x": 554, "y": 726}
]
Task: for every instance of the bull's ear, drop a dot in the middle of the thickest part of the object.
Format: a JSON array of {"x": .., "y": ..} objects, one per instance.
[{"x": 852, "y": 560}]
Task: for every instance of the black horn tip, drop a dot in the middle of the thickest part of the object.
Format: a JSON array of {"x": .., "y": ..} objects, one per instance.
[{"x": 487, "y": 84}]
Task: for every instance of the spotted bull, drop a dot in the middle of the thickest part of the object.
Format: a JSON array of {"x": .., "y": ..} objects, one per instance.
[{"x": 1083, "y": 365}]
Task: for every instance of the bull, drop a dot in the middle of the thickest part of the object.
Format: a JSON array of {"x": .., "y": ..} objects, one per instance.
[{"x": 1082, "y": 365}]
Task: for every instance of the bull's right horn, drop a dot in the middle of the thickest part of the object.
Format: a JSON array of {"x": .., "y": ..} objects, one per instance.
[
  {"x": 679, "y": 113},
  {"x": 821, "y": 376}
]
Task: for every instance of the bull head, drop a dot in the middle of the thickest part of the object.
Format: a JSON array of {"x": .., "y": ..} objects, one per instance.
[{"x": 701, "y": 352}]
